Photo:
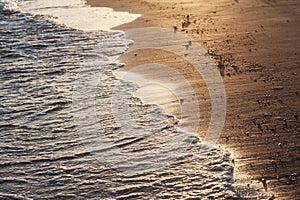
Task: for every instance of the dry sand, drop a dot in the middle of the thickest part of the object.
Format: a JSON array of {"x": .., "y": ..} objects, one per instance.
[{"x": 261, "y": 37}]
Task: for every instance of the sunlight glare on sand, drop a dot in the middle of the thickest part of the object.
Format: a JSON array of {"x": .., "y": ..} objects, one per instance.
[{"x": 156, "y": 94}]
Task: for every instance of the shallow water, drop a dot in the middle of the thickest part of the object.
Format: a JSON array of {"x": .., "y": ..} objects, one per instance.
[{"x": 60, "y": 137}]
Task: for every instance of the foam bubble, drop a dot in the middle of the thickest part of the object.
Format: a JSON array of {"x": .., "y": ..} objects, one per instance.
[{"x": 10, "y": 5}]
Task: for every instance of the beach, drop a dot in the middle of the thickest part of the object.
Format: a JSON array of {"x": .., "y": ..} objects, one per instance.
[
  {"x": 149, "y": 99},
  {"x": 257, "y": 44},
  {"x": 74, "y": 128}
]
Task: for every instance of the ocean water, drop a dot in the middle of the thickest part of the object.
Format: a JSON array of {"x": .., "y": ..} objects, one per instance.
[{"x": 61, "y": 138}]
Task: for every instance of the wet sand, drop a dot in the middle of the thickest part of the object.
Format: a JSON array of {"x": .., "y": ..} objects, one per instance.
[{"x": 258, "y": 44}]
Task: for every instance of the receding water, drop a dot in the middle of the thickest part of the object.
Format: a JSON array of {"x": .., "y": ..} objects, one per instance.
[{"x": 47, "y": 153}]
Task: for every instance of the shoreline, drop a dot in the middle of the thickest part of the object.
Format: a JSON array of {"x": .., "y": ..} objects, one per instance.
[
  {"x": 70, "y": 148},
  {"x": 257, "y": 42}
]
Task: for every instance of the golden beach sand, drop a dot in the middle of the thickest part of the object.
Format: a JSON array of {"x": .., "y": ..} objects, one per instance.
[{"x": 259, "y": 45}]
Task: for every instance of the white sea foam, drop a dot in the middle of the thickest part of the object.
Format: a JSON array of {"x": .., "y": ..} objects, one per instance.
[
  {"x": 75, "y": 14},
  {"x": 9, "y": 5}
]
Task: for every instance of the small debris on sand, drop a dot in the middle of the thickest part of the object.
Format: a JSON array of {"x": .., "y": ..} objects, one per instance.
[
  {"x": 235, "y": 67},
  {"x": 272, "y": 197},
  {"x": 264, "y": 182},
  {"x": 175, "y": 28}
]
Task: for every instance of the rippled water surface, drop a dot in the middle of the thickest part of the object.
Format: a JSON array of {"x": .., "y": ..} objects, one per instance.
[{"x": 45, "y": 154}]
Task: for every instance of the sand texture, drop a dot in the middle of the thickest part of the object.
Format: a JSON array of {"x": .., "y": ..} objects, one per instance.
[{"x": 258, "y": 44}]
